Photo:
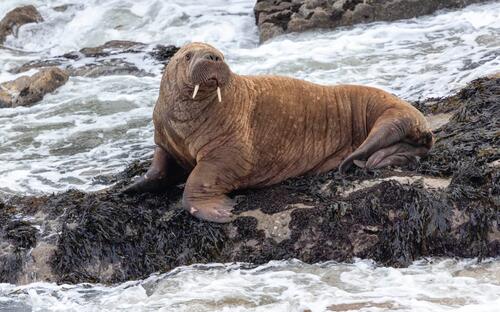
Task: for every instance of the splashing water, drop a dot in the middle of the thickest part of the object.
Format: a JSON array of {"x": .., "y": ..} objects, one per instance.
[
  {"x": 439, "y": 285},
  {"x": 94, "y": 126}
]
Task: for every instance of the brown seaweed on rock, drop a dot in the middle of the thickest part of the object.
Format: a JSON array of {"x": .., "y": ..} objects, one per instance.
[
  {"x": 472, "y": 137},
  {"x": 450, "y": 208}
]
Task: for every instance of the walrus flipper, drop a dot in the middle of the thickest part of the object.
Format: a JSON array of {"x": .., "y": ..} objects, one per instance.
[
  {"x": 157, "y": 178},
  {"x": 204, "y": 194},
  {"x": 387, "y": 144},
  {"x": 395, "y": 155}
]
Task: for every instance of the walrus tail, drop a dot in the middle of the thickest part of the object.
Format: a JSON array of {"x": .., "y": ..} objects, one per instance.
[{"x": 392, "y": 141}]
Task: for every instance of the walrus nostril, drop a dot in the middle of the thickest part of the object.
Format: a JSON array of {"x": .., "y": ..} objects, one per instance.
[{"x": 212, "y": 57}]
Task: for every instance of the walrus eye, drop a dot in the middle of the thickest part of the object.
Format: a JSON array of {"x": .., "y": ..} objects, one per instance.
[{"x": 188, "y": 56}]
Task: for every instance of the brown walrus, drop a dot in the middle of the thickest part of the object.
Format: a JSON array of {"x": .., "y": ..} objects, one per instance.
[{"x": 237, "y": 132}]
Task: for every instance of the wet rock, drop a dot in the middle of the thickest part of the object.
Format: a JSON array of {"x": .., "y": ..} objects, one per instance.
[
  {"x": 459, "y": 143},
  {"x": 113, "y": 47},
  {"x": 26, "y": 90},
  {"x": 448, "y": 205},
  {"x": 275, "y": 17},
  {"x": 115, "y": 57},
  {"x": 162, "y": 53},
  {"x": 16, "y": 18},
  {"x": 61, "y": 8},
  {"x": 21, "y": 233},
  {"x": 90, "y": 67},
  {"x": 107, "y": 68}
]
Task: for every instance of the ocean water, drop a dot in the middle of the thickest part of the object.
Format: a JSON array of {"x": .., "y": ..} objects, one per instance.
[
  {"x": 96, "y": 126},
  {"x": 288, "y": 286}
]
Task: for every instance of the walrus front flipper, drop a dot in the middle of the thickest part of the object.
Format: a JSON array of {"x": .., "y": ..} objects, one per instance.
[
  {"x": 204, "y": 194},
  {"x": 214, "y": 209},
  {"x": 162, "y": 172}
]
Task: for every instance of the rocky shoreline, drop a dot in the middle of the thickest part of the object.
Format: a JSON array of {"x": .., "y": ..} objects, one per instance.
[
  {"x": 111, "y": 58},
  {"x": 114, "y": 57},
  {"x": 276, "y": 17},
  {"x": 447, "y": 205}
]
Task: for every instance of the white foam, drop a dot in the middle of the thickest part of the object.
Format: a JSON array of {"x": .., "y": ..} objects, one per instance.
[{"x": 439, "y": 285}]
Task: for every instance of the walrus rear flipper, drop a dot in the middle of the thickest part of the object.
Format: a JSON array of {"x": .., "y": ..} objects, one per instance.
[
  {"x": 388, "y": 144},
  {"x": 394, "y": 155}
]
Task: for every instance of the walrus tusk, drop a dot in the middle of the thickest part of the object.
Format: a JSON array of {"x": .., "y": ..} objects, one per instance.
[
  {"x": 196, "y": 90},
  {"x": 219, "y": 95}
]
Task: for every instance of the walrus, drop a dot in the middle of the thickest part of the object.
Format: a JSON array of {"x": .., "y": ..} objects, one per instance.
[{"x": 230, "y": 131}]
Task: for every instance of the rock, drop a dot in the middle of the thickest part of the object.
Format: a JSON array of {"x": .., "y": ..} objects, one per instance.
[
  {"x": 275, "y": 17},
  {"x": 162, "y": 53},
  {"x": 107, "y": 68},
  {"x": 26, "y": 91},
  {"x": 113, "y": 47},
  {"x": 448, "y": 205},
  {"x": 269, "y": 30},
  {"x": 107, "y": 59},
  {"x": 61, "y": 8},
  {"x": 16, "y": 18}
]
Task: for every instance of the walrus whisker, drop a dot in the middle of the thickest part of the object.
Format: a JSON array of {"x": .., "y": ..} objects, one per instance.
[
  {"x": 196, "y": 90},
  {"x": 218, "y": 94}
]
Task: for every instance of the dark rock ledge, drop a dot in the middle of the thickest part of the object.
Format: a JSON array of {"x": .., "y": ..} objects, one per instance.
[
  {"x": 276, "y": 17},
  {"x": 447, "y": 205}
]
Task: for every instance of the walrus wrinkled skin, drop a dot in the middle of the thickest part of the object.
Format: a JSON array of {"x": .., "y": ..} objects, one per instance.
[{"x": 256, "y": 131}]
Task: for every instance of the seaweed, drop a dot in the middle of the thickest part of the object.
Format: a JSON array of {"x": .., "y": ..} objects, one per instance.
[{"x": 109, "y": 237}]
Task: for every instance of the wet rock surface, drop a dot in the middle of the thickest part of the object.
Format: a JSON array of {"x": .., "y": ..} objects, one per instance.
[
  {"x": 28, "y": 90},
  {"x": 275, "y": 17},
  {"x": 16, "y": 18},
  {"x": 116, "y": 57},
  {"x": 447, "y": 205}
]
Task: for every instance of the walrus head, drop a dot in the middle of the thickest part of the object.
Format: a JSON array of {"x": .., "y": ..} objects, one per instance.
[{"x": 199, "y": 70}]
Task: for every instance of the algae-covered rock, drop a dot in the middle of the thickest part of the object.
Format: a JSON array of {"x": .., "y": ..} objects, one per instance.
[{"x": 447, "y": 205}]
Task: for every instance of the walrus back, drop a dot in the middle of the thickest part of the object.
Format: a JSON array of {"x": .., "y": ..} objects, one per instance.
[
  {"x": 296, "y": 127},
  {"x": 299, "y": 127}
]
